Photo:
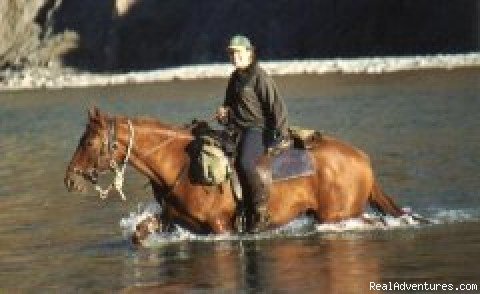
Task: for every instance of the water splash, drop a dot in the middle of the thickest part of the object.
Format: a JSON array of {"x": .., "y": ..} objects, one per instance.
[
  {"x": 128, "y": 224},
  {"x": 443, "y": 216},
  {"x": 300, "y": 227}
]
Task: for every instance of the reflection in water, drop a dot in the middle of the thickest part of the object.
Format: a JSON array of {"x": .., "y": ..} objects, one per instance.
[
  {"x": 185, "y": 266},
  {"x": 346, "y": 262},
  {"x": 326, "y": 266},
  {"x": 304, "y": 266}
]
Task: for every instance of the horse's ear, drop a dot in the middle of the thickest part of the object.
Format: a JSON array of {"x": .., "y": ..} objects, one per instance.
[
  {"x": 97, "y": 117},
  {"x": 93, "y": 113}
]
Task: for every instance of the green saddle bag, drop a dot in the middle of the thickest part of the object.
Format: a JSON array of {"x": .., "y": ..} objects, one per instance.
[{"x": 212, "y": 165}]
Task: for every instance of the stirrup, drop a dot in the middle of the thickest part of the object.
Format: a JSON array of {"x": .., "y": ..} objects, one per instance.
[
  {"x": 262, "y": 219},
  {"x": 240, "y": 222}
]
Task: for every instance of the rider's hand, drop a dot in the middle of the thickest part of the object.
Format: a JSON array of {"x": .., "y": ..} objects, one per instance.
[
  {"x": 222, "y": 114},
  {"x": 279, "y": 144}
]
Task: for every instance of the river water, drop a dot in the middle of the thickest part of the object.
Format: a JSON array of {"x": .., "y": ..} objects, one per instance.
[{"x": 421, "y": 130}]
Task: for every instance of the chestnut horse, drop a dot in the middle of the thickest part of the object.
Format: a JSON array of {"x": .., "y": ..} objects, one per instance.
[{"x": 340, "y": 188}]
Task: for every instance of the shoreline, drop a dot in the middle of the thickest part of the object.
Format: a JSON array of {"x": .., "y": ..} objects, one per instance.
[{"x": 60, "y": 78}]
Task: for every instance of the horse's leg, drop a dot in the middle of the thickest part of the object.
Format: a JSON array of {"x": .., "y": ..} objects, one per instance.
[
  {"x": 221, "y": 225},
  {"x": 336, "y": 203},
  {"x": 165, "y": 216},
  {"x": 221, "y": 217},
  {"x": 145, "y": 228},
  {"x": 290, "y": 199},
  {"x": 342, "y": 189}
]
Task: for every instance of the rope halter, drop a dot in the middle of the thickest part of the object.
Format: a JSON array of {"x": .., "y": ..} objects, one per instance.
[{"x": 119, "y": 170}]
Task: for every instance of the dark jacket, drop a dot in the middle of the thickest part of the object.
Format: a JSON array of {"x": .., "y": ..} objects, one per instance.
[{"x": 254, "y": 101}]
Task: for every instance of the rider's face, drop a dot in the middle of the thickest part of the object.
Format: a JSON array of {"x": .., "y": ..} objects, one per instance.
[{"x": 240, "y": 57}]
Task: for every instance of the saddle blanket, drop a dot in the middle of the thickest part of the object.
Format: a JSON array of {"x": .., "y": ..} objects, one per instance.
[{"x": 292, "y": 163}]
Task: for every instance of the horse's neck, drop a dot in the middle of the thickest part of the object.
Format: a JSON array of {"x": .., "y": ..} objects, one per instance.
[{"x": 157, "y": 151}]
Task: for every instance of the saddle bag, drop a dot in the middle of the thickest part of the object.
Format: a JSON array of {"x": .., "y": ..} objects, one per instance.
[{"x": 210, "y": 165}]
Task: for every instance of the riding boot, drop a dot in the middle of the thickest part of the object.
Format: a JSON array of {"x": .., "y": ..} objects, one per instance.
[{"x": 261, "y": 218}]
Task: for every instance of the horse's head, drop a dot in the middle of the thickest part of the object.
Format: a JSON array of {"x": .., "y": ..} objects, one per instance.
[{"x": 93, "y": 154}]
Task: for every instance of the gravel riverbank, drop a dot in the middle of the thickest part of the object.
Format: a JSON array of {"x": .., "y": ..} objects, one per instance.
[{"x": 57, "y": 78}]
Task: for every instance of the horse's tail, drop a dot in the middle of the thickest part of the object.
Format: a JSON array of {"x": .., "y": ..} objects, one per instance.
[{"x": 382, "y": 202}]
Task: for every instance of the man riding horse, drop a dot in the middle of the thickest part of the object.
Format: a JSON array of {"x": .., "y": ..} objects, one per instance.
[
  {"x": 338, "y": 187},
  {"x": 254, "y": 108}
]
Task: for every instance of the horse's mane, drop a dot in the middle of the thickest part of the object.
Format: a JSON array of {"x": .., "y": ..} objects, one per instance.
[
  {"x": 156, "y": 124},
  {"x": 100, "y": 121}
]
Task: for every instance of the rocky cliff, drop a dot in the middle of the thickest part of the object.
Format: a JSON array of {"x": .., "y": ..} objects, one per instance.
[{"x": 144, "y": 34}]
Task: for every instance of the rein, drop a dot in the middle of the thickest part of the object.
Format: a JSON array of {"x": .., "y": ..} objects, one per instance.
[
  {"x": 119, "y": 170},
  {"x": 175, "y": 135},
  {"x": 154, "y": 149}
]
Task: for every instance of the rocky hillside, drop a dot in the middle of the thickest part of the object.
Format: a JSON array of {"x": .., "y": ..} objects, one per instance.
[
  {"x": 144, "y": 34},
  {"x": 26, "y": 31}
]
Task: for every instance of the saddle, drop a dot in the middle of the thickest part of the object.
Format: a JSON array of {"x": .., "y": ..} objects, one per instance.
[
  {"x": 291, "y": 160},
  {"x": 213, "y": 153}
]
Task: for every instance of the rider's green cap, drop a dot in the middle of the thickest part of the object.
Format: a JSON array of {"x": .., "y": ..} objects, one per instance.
[{"x": 239, "y": 42}]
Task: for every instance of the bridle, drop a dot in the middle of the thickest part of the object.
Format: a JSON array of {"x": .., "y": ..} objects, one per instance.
[{"x": 111, "y": 144}]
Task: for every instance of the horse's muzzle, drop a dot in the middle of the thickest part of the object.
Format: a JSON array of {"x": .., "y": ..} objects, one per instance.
[{"x": 75, "y": 180}]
